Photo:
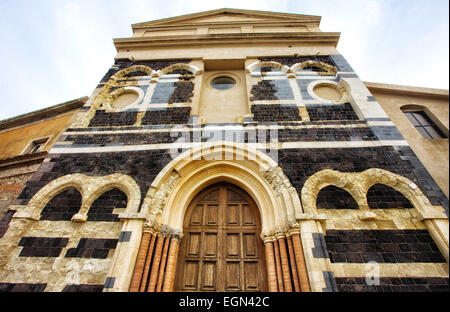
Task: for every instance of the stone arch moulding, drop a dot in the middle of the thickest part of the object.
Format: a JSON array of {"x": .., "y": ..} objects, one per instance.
[
  {"x": 82, "y": 119},
  {"x": 191, "y": 68},
  {"x": 358, "y": 183},
  {"x": 329, "y": 69},
  {"x": 189, "y": 173},
  {"x": 252, "y": 67},
  {"x": 89, "y": 187},
  {"x": 130, "y": 69}
]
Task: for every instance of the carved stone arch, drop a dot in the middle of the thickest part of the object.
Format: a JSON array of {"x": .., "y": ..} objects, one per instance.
[
  {"x": 104, "y": 96},
  {"x": 89, "y": 187},
  {"x": 124, "y": 183},
  {"x": 403, "y": 185},
  {"x": 358, "y": 183},
  {"x": 329, "y": 69},
  {"x": 191, "y": 68},
  {"x": 435, "y": 220},
  {"x": 350, "y": 182},
  {"x": 252, "y": 67},
  {"x": 253, "y": 171},
  {"x": 121, "y": 73},
  {"x": 45, "y": 194}
]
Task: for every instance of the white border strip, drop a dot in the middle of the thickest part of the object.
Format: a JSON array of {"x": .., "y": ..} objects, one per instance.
[{"x": 174, "y": 146}]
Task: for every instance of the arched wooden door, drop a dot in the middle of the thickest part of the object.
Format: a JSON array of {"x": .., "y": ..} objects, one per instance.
[{"x": 221, "y": 249}]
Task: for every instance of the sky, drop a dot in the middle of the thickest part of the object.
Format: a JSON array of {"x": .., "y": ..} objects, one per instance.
[{"x": 54, "y": 51}]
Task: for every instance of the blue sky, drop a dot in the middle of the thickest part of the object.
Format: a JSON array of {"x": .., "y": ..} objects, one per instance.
[{"x": 54, "y": 51}]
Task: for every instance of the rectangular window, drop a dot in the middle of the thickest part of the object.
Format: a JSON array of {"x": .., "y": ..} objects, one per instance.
[
  {"x": 36, "y": 146},
  {"x": 424, "y": 125}
]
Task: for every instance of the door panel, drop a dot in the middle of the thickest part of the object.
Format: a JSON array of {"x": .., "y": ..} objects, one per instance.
[{"x": 221, "y": 249}]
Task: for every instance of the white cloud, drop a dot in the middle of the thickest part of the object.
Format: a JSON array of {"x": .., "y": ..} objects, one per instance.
[{"x": 372, "y": 12}]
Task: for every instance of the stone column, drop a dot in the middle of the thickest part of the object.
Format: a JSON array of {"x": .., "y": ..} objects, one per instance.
[
  {"x": 140, "y": 262},
  {"x": 155, "y": 265},
  {"x": 284, "y": 264},
  {"x": 278, "y": 266},
  {"x": 300, "y": 262},
  {"x": 147, "y": 263},
  {"x": 293, "y": 264},
  {"x": 271, "y": 269},
  {"x": 163, "y": 264},
  {"x": 172, "y": 258}
]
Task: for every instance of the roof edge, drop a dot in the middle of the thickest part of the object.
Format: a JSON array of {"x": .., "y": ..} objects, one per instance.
[
  {"x": 402, "y": 89},
  {"x": 221, "y": 10},
  {"x": 43, "y": 113}
]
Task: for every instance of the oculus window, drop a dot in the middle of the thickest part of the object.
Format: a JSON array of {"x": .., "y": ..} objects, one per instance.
[{"x": 223, "y": 83}]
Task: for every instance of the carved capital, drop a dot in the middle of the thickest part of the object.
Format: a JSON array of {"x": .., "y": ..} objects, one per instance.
[{"x": 172, "y": 233}]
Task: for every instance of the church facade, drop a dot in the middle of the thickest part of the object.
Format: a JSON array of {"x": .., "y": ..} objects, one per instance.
[{"x": 232, "y": 150}]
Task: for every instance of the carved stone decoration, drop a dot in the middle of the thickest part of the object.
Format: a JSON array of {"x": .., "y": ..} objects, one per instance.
[
  {"x": 273, "y": 64},
  {"x": 277, "y": 180},
  {"x": 90, "y": 188},
  {"x": 358, "y": 183},
  {"x": 191, "y": 68},
  {"x": 329, "y": 70},
  {"x": 171, "y": 233},
  {"x": 155, "y": 200}
]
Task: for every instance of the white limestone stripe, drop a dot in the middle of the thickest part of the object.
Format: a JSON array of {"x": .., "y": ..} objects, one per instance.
[
  {"x": 164, "y": 80},
  {"x": 391, "y": 269},
  {"x": 143, "y": 82},
  {"x": 188, "y": 145},
  {"x": 216, "y": 128},
  {"x": 380, "y": 123},
  {"x": 273, "y": 102},
  {"x": 315, "y": 77},
  {"x": 296, "y": 91},
  {"x": 359, "y": 93}
]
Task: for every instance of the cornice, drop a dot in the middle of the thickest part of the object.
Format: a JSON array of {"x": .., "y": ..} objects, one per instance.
[
  {"x": 270, "y": 16},
  {"x": 227, "y": 24},
  {"x": 213, "y": 39},
  {"x": 407, "y": 90},
  {"x": 21, "y": 160}
]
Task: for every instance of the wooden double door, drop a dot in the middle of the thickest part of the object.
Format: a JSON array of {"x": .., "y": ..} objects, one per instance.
[{"x": 221, "y": 249}]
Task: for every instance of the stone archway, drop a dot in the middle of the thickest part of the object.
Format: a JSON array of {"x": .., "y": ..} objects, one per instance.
[{"x": 187, "y": 175}]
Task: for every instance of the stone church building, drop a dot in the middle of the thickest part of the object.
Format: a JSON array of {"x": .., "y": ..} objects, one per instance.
[{"x": 234, "y": 150}]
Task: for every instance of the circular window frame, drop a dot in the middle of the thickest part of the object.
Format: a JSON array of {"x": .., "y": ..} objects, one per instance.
[
  {"x": 327, "y": 83},
  {"x": 224, "y": 77},
  {"x": 108, "y": 105},
  {"x": 236, "y": 79}
]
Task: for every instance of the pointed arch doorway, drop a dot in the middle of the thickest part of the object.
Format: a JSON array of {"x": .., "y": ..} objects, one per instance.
[{"x": 221, "y": 249}]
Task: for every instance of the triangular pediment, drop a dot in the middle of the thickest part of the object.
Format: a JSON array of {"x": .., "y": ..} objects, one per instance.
[{"x": 229, "y": 16}]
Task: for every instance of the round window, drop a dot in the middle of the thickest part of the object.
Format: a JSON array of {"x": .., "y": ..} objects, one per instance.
[{"x": 223, "y": 83}]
